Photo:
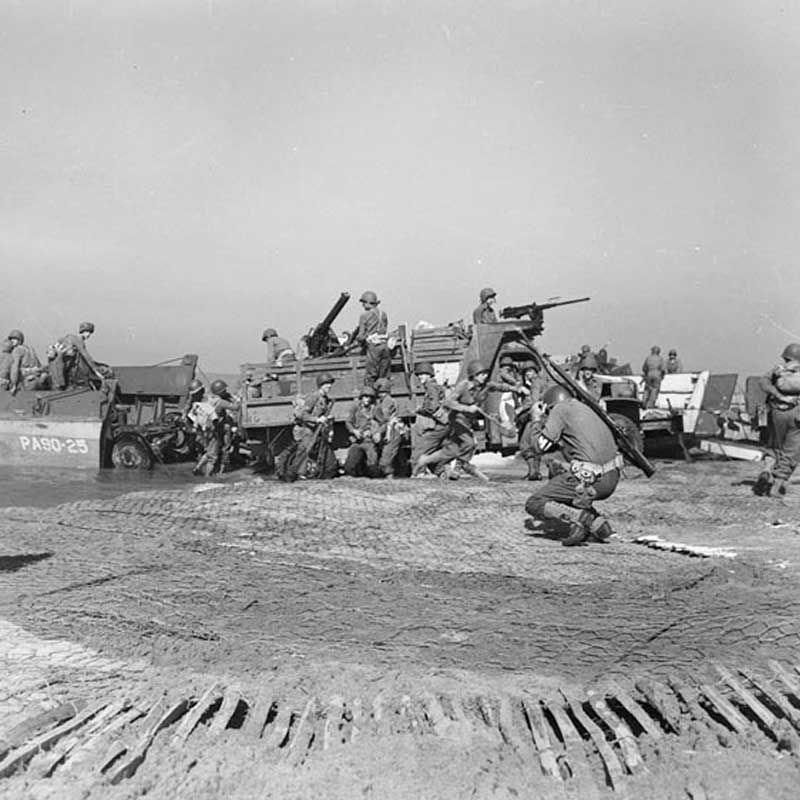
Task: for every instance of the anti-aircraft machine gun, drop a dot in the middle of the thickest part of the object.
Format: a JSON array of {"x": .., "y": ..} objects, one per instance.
[
  {"x": 320, "y": 342},
  {"x": 535, "y": 312}
]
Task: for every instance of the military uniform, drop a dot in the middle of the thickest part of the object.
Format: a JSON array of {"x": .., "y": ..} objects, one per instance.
[
  {"x": 5, "y": 365},
  {"x": 372, "y": 334},
  {"x": 389, "y": 428},
  {"x": 653, "y": 371},
  {"x": 431, "y": 422},
  {"x": 782, "y": 385},
  {"x": 311, "y": 440},
  {"x": 484, "y": 314},
  {"x": 24, "y": 371},
  {"x": 674, "y": 365},
  {"x": 594, "y": 464},
  {"x": 528, "y": 423},
  {"x": 362, "y": 456},
  {"x": 70, "y": 363}
]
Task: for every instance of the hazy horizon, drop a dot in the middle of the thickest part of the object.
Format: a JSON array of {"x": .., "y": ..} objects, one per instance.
[{"x": 185, "y": 174}]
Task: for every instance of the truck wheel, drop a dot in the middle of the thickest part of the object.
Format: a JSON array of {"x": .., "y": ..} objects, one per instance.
[
  {"x": 631, "y": 431},
  {"x": 131, "y": 454}
]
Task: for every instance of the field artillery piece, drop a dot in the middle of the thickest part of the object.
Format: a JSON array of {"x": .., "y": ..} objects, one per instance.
[{"x": 321, "y": 342}]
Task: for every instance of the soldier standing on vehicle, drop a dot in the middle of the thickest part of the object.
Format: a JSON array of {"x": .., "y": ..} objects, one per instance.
[
  {"x": 372, "y": 336},
  {"x": 464, "y": 405},
  {"x": 653, "y": 371},
  {"x": 674, "y": 364},
  {"x": 69, "y": 361},
  {"x": 279, "y": 351},
  {"x": 485, "y": 314},
  {"x": 782, "y": 387},
  {"x": 362, "y": 456},
  {"x": 390, "y": 428},
  {"x": 312, "y": 428},
  {"x": 594, "y": 464},
  {"x": 24, "y": 369},
  {"x": 528, "y": 420},
  {"x": 432, "y": 418}
]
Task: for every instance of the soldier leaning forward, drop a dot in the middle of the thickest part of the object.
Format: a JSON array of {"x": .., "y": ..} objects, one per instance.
[
  {"x": 372, "y": 334},
  {"x": 594, "y": 465},
  {"x": 432, "y": 418},
  {"x": 69, "y": 361},
  {"x": 782, "y": 387},
  {"x": 464, "y": 405},
  {"x": 362, "y": 455},
  {"x": 311, "y": 454}
]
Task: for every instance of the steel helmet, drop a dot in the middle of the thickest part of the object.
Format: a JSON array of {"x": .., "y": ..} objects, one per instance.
[
  {"x": 383, "y": 385},
  {"x": 475, "y": 367},
  {"x": 506, "y": 361},
  {"x": 196, "y": 386},
  {"x": 588, "y": 362},
  {"x": 268, "y": 333},
  {"x": 323, "y": 378},
  {"x": 15, "y": 334},
  {"x": 555, "y": 394},
  {"x": 367, "y": 391},
  {"x": 791, "y": 351},
  {"x": 655, "y": 349},
  {"x": 586, "y": 349},
  {"x": 369, "y": 297},
  {"x": 487, "y": 293},
  {"x": 87, "y": 327},
  {"x": 423, "y": 368},
  {"x": 218, "y": 386},
  {"x": 673, "y": 352}
]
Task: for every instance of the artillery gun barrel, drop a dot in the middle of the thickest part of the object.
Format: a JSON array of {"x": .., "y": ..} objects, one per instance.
[
  {"x": 318, "y": 341},
  {"x": 515, "y": 312},
  {"x": 335, "y": 311}
]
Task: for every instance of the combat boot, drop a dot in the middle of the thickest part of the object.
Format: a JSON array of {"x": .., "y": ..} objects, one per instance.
[
  {"x": 578, "y": 533},
  {"x": 763, "y": 486},
  {"x": 471, "y": 469},
  {"x": 600, "y": 529}
]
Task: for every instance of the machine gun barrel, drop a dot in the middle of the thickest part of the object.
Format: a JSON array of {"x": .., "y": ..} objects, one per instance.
[
  {"x": 318, "y": 341},
  {"x": 533, "y": 310}
]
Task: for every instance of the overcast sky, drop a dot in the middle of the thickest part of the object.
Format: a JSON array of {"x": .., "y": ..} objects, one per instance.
[{"x": 185, "y": 174}]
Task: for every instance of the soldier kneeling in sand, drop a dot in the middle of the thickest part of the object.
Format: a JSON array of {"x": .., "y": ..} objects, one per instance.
[{"x": 594, "y": 468}]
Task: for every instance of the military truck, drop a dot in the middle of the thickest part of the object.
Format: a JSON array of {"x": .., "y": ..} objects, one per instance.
[{"x": 269, "y": 392}]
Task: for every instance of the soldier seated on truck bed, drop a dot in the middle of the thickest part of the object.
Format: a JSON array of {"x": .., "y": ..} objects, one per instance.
[
  {"x": 69, "y": 361},
  {"x": 25, "y": 369},
  {"x": 279, "y": 351}
]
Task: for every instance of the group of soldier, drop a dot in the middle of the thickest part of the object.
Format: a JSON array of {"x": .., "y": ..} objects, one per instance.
[{"x": 68, "y": 362}]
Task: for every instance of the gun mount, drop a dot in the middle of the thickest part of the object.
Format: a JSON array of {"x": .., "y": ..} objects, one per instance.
[
  {"x": 535, "y": 311},
  {"x": 320, "y": 342}
]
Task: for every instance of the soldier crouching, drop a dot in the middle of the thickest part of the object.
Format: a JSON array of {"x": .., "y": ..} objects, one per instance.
[{"x": 594, "y": 468}]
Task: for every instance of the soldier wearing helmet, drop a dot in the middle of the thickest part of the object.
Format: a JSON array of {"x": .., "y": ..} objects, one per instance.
[
  {"x": 653, "y": 370},
  {"x": 279, "y": 351},
  {"x": 362, "y": 455},
  {"x": 587, "y": 375},
  {"x": 589, "y": 448},
  {"x": 485, "y": 314},
  {"x": 24, "y": 368},
  {"x": 313, "y": 427},
  {"x": 674, "y": 364},
  {"x": 69, "y": 361},
  {"x": 372, "y": 336},
  {"x": 464, "y": 405},
  {"x": 390, "y": 429},
  {"x": 432, "y": 418},
  {"x": 782, "y": 387},
  {"x": 528, "y": 418},
  {"x": 5, "y": 364},
  {"x": 217, "y": 417}
]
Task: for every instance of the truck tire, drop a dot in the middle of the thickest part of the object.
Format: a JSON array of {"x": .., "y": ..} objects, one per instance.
[
  {"x": 131, "y": 454},
  {"x": 631, "y": 431}
]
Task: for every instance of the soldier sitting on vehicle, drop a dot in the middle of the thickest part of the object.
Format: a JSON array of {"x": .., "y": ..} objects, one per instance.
[
  {"x": 25, "y": 369},
  {"x": 5, "y": 364},
  {"x": 594, "y": 468},
  {"x": 391, "y": 429},
  {"x": 653, "y": 371},
  {"x": 362, "y": 455},
  {"x": 279, "y": 351},
  {"x": 69, "y": 361},
  {"x": 674, "y": 364}
]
